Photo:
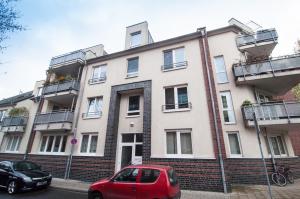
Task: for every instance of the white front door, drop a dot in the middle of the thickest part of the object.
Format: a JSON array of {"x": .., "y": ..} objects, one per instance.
[{"x": 130, "y": 150}]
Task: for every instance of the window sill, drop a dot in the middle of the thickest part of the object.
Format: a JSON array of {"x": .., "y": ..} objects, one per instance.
[
  {"x": 96, "y": 82},
  {"x": 176, "y": 110},
  {"x": 179, "y": 156},
  {"x": 91, "y": 117},
  {"x": 11, "y": 152},
  {"x": 175, "y": 68},
  {"x": 131, "y": 76},
  {"x": 236, "y": 156},
  {"x": 132, "y": 116},
  {"x": 87, "y": 154},
  {"x": 230, "y": 123},
  {"x": 50, "y": 153}
]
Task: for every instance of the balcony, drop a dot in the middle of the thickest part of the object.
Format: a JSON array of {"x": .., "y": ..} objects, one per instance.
[
  {"x": 260, "y": 44},
  {"x": 66, "y": 63},
  {"x": 275, "y": 115},
  {"x": 61, "y": 92},
  {"x": 177, "y": 107},
  {"x": 54, "y": 121},
  {"x": 14, "y": 124},
  {"x": 276, "y": 75}
]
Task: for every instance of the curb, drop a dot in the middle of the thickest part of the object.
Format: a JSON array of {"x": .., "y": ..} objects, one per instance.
[{"x": 69, "y": 189}]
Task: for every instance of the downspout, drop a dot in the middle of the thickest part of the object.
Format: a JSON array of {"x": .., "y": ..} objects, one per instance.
[
  {"x": 204, "y": 39},
  {"x": 76, "y": 118}
]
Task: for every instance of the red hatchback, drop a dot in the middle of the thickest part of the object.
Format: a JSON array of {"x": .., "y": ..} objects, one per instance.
[{"x": 140, "y": 182}]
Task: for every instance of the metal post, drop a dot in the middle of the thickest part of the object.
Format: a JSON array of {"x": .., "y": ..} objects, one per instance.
[
  {"x": 287, "y": 114},
  {"x": 262, "y": 154}
]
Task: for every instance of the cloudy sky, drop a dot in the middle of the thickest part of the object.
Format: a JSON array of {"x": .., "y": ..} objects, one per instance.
[{"x": 59, "y": 26}]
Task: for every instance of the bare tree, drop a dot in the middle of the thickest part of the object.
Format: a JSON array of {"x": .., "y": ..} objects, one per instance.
[{"x": 8, "y": 20}]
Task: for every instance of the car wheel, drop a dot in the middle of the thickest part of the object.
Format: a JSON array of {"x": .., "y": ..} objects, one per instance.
[
  {"x": 96, "y": 195},
  {"x": 12, "y": 187}
]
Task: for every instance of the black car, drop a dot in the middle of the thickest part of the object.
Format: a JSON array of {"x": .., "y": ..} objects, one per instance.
[{"x": 22, "y": 175}]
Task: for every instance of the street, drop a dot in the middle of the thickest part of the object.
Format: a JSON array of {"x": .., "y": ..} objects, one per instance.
[{"x": 50, "y": 193}]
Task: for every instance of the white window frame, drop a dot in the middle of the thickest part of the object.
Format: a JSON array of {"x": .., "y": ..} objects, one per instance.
[
  {"x": 174, "y": 59},
  {"x": 239, "y": 142},
  {"x": 135, "y": 111},
  {"x": 89, "y": 143},
  {"x": 283, "y": 142},
  {"x": 16, "y": 147},
  {"x": 95, "y": 80},
  {"x": 133, "y": 74},
  {"x": 176, "y": 98},
  {"x": 53, "y": 143},
  {"x": 229, "y": 108},
  {"x": 224, "y": 71},
  {"x": 100, "y": 101},
  {"x": 178, "y": 139},
  {"x": 134, "y": 34}
]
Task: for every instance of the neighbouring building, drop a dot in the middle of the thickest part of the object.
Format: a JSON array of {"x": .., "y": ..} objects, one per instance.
[{"x": 187, "y": 102}]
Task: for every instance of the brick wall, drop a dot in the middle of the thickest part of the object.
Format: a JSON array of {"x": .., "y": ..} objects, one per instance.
[{"x": 11, "y": 156}]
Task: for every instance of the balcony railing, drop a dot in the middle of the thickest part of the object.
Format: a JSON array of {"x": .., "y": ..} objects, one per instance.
[
  {"x": 173, "y": 66},
  {"x": 76, "y": 56},
  {"x": 97, "y": 80},
  {"x": 60, "y": 87},
  {"x": 274, "y": 65},
  {"x": 258, "y": 37},
  {"x": 54, "y": 117},
  {"x": 174, "y": 107},
  {"x": 14, "y": 121},
  {"x": 272, "y": 111}
]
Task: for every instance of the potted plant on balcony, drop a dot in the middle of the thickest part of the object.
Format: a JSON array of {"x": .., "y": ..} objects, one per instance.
[
  {"x": 246, "y": 103},
  {"x": 18, "y": 111}
]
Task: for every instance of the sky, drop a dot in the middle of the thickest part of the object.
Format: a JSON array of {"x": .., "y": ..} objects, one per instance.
[{"x": 54, "y": 27}]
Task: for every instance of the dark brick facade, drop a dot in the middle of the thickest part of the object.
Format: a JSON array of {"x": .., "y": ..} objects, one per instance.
[{"x": 11, "y": 156}]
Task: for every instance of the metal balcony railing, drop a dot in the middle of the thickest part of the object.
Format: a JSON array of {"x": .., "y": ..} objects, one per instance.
[
  {"x": 54, "y": 117},
  {"x": 60, "y": 87},
  {"x": 174, "y": 65},
  {"x": 170, "y": 107},
  {"x": 272, "y": 111},
  {"x": 65, "y": 59},
  {"x": 97, "y": 80},
  {"x": 273, "y": 66},
  {"x": 14, "y": 121},
  {"x": 258, "y": 37}
]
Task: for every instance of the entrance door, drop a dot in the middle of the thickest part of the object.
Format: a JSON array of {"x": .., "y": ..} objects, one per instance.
[{"x": 130, "y": 150}]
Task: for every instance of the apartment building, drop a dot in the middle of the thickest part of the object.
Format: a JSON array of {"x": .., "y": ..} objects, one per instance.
[{"x": 187, "y": 102}]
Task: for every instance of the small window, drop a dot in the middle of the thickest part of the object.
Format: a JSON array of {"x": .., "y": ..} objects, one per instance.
[
  {"x": 133, "y": 105},
  {"x": 135, "y": 39},
  {"x": 174, "y": 59},
  {"x": 99, "y": 74},
  {"x": 234, "y": 143},
  {"x": 94, "y": 107},
  {"x": 220, "y": 69},
  {"x": 13, "y": 143},
  {"x": 127, "y": 175},
  {"x": 176, "y": 98},
  {"x": 53, "y": 143},
  {"x": 179, "y": 142},
  {"x": 278, "y": 146},
  {"x": 89, "y": 143},
  {"x": 228, "y": 112},
  {"x": 133, "y": 67},
  {"x": 149, "y": 175},
  {"x": 2, "y": 115}
]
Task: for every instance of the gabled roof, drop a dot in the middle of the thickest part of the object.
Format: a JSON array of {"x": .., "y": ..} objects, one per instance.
[{"x": 15, "y": 99}]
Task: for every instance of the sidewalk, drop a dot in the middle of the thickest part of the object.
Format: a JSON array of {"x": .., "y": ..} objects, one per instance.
[{"x": 291, "y": 191}]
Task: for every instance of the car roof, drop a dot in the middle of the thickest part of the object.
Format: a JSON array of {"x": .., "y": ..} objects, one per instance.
[{"x": 150, "y": 166}]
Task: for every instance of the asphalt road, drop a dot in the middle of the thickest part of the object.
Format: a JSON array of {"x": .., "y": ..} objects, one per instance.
[{"x": 50, "y": 193}]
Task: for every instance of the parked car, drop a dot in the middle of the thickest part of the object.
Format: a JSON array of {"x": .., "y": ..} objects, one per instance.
[
  {"x": 22, "y": 175},
  {"x": 140, "y": 182}
]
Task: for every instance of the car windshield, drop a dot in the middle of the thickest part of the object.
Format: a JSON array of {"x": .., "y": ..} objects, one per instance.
[{"x": 24, "y": 166}]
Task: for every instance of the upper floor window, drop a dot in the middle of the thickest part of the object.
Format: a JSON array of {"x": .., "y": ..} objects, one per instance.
[
  {"x": 94, "y": 107},
  {"x": 277, "y": 144},
  {"x": 220, "y": 69},
  {"x": 2, "y": 114},
  {"x": 133, "y": 67},
  {"x": 133, "y": 105},
  {"x": 89, "y": 143},
  {"x": 13, "y": 143},
  {"x": 53, "y": 144},
  {"x": 99, "y": 74},
  {"x": 228, "y": 112},
  {"x": 234, "y": 143},
  {"x": 174, "y": 58},
  {"x": 135, "y": 39},
  {"x": 179, "y": 142},
  {"x": 176, "y": 98}
]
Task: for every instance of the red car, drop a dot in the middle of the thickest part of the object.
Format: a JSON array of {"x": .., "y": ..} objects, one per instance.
[{"x": 140, "y": 182}]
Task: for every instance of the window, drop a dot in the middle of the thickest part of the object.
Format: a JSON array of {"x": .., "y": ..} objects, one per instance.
[
  {"x": 132, "y": 67},
  {"x": 149, "y": 175},
  {"x": 99, "y": 74},
  {"x": 127, "y": 175},
  {"x": 2, "y": 114},
  {"x": 176, "y": 98},
  {"x": 179, "y": 142},
  {"x": 220, "y": 69},
  {"x": 172, "y": 177},
  {"x": 39, "y": 93},
  {"x": 94, "y": 107},
  {"x": 277, "y": 145},
  {"x": 135, "y": 39},
  {"x": 174, "y": 59},
  {"x": 227, "y": 106},
  {"x": 53, "y": 143},
  {"x": 234, "y": 143},
  {"x": 89, "y": 143},
  {"x": 133, "y": 105},
  {"x": 13, "y": 143}
]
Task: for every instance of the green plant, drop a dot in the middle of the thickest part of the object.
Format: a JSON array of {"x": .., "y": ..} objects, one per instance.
[
  {"x": 18, "y": 111},
  {"x": 247, "y": 103}
]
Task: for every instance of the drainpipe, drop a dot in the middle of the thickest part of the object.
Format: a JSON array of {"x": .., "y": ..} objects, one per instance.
[
  {"x": 204, "y": 39},
  {"x": 75, "y": 120}
]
